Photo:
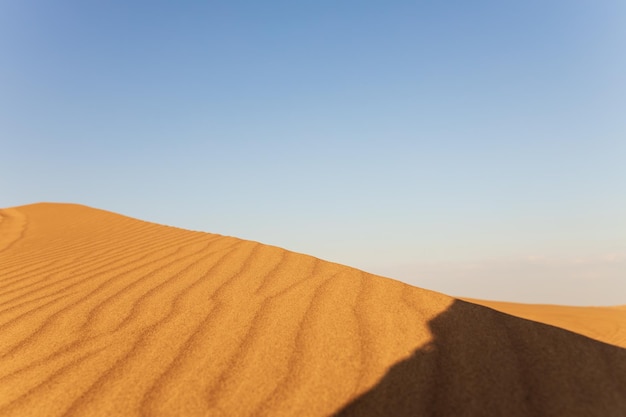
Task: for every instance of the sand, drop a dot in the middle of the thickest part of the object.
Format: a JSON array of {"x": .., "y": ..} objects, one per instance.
[
  {"x": 606, "y": 324},
  {"x": 105, "y": 315}
]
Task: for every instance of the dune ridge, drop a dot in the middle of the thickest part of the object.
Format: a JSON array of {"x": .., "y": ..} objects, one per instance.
[
  {"x": 105, "y": 315},
  {"x": 606, "y": 324}
]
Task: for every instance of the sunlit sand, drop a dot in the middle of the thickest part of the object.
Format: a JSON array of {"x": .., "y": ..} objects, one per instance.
[{"x": 105, "y": 315}]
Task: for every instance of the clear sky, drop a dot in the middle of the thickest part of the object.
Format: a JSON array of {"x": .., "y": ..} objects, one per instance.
[{"x": 477, "y": 148}]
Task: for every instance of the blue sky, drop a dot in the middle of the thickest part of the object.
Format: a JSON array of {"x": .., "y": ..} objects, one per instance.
[{"x": 475, "y": 148}]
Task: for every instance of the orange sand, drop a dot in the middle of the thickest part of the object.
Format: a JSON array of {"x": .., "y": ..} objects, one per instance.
[
  {"x": 104, "y": 315},
  {"x": 606, "y": 324}
]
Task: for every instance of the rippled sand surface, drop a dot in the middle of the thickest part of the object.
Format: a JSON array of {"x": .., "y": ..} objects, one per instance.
[{"x": 105, "y": 315}]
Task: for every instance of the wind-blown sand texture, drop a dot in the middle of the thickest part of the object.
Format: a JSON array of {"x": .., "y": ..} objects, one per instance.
[{"x": 104, "y": 315}]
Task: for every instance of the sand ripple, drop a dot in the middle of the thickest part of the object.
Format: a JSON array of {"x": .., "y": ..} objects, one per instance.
[{"x": 104, "y": 315}]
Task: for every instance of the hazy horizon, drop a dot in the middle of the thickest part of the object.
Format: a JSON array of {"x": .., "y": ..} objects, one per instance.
[{"x": 474, "y": 149}]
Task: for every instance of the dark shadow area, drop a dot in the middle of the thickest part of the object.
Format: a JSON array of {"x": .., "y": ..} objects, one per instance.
[{"x": 485, "y": 363}]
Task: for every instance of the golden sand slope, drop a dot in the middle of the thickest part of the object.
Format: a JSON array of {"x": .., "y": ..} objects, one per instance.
[
  {"x": 104, "y": 315},
  {"x": 606, "y": 324}
]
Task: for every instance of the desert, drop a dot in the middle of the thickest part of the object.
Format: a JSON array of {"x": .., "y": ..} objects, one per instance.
[
  {"x": 312, "y": 209},
  {"x": 106, "y": 315}
]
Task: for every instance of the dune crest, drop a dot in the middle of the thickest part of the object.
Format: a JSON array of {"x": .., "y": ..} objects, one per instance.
[
  {"x": 12, "y": 227},
  {"x": 105, "y": 315},
  {"x": 606, "y": 324}
]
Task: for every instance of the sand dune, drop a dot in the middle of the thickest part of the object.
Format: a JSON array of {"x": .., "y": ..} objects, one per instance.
[
  {"x": 104, "y": 315},
  {"x": 606, "y": 324}
]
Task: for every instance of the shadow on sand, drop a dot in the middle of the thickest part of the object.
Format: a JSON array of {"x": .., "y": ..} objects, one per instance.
[{"x": 485, "y": 363}]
